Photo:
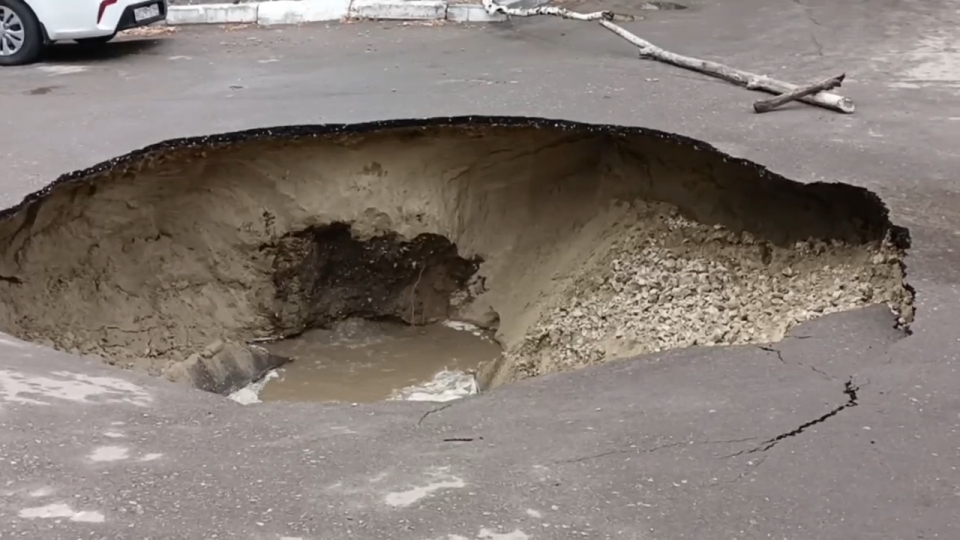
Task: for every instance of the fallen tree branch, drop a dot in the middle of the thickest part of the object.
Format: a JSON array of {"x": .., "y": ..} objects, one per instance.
[
  {"x": 751, "y": 81},
  {"x": 765, "y": 105},
  {"x": 715, "y": 69},
  {"x": 553, "y": 11}
]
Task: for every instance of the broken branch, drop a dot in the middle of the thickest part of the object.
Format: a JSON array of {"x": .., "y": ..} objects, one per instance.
[
  {"x": 742, "y": 78},
  {"x": 765, "y": 105},
  {"x": 493, "y": 8},
  {"x": 749, "y": 80}
]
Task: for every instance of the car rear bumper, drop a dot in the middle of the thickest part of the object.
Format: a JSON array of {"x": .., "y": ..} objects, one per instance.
[
  {"x": 96, "y": 18},
  {"x": 128, "y": 18}
]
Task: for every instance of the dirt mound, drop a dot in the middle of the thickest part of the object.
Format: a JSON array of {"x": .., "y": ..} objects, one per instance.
[{"x": 580, "y": 243}]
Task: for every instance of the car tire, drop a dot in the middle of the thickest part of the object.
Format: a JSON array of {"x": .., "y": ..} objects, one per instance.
[
  {"x": 21, "y": 36},
  {"x": 95, "y": 41}
]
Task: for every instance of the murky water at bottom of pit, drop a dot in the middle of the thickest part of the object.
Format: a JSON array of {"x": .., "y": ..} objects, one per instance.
[{"x": 360, "y": 361}]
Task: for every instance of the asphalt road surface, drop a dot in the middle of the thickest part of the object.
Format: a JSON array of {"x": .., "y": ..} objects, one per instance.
[{"x": 852, "y": 432}]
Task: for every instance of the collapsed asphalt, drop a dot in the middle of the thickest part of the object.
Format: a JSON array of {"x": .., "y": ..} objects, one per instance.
[
  {"x": 590, "y": 249},
  {"x": 646, "y": 448}
]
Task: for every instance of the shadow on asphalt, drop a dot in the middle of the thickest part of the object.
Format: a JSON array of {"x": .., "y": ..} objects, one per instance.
[{"x": 73, "y": 52}]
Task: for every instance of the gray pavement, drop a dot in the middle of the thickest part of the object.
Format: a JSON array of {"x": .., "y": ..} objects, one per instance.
[{"x": 846, "y": 430}]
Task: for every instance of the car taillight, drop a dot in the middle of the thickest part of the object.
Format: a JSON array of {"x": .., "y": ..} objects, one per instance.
[{"x": 103, "y": 7}]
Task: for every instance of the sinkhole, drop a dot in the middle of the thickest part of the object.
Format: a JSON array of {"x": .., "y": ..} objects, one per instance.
[{"x": 382, "y": 256}]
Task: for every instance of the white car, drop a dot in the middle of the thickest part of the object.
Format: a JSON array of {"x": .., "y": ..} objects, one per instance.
[{"x": 26, "y": 26}]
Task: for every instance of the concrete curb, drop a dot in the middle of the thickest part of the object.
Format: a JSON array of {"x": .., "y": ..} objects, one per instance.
[{"x": 301, "y": 11}]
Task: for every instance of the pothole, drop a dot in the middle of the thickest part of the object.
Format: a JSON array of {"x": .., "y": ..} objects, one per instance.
[{"x": 216, "y": 260}]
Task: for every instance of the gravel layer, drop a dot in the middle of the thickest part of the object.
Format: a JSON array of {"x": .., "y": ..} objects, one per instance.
[{"x": 668, "y": 282}]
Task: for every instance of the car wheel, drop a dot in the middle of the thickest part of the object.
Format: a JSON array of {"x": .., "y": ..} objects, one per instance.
[
  {"x": 96, "y": 41},
  {"x": 21, "y": 38}
]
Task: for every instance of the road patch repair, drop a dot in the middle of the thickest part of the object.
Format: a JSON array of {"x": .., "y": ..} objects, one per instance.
[{"x": 569, "y": 244}]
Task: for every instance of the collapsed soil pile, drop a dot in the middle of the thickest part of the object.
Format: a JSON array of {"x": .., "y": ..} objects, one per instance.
[
  {"x": 667, "y": 282},
  {"x": 577, "y": 243}
]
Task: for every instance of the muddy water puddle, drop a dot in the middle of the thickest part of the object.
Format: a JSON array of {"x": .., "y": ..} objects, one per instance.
[{"x": 360, "y": 361}]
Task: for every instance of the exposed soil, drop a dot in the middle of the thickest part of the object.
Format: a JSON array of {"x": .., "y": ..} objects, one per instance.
[
  {"x": 578, "y": 244},
  {"x": 324, "y": 274}
]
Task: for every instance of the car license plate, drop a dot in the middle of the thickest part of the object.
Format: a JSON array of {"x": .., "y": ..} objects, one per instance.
[{"x": 146, "y": 12}]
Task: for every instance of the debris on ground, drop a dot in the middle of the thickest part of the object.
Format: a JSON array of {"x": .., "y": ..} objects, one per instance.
[
  {"x": 149, "y": 31},
  {"x": 668, "y": 282},
  {"x": 816, "y": 94}
]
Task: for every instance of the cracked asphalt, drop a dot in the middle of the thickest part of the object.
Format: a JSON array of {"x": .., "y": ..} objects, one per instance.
[{"x": 848, "y": 428}]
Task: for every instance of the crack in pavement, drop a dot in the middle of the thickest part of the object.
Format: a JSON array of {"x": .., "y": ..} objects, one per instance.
[
  {"x": 616, "y": 452},
  {"x": 813, "y": 35},
  {"x": 779, "y": 354},
  {"x": 751, "y": 466},
  {"x": 634, "y": 450},
  {"x": 435, "y": 410},
  {"x": 849, "y": 388}
]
